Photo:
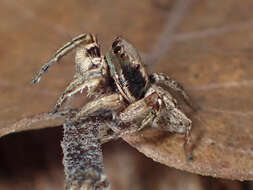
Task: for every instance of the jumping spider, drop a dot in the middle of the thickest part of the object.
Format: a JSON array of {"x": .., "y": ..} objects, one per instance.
[{"x": 125, "y": 97}]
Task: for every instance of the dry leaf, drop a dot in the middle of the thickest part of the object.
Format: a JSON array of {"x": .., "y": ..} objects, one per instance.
[{"x": 206, "y": 45}]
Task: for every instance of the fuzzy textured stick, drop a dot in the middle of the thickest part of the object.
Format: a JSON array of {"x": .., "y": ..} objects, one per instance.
[{"x": 83, "y": 159}]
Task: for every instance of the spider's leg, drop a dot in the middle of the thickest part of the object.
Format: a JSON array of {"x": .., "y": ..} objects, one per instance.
[
  {"x": 136, "y": 116},
  {"x": 75, "y": 42},
  {"x": 176, "y": 121},
  {"x": 111, "y": 103},
  {"x": 78, "y": 85},
  {"x": 132, "y": 128},
  {"x": 107, "y": 137},
  {"x": 161, "y": 79},
  {"x": 118, "y": 132},
  {"x": 172, "y": 119},
  {"x": 158, "y": 109},
  {"x": 130, "y": 120}
]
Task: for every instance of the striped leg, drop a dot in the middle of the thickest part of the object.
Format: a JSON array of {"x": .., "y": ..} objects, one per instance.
[
  {"x": 161, "y": 79},
  {"x": 75, "y": 42}
]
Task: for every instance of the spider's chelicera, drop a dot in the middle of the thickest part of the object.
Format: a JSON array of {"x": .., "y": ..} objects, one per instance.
[{"x": 125, "y": 99}]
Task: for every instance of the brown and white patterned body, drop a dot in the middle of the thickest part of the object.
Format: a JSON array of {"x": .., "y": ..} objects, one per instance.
[{"x": 123, "y": 91}]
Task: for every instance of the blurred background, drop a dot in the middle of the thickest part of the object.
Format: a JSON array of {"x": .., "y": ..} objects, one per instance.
[{"x": 206, "y": 45}]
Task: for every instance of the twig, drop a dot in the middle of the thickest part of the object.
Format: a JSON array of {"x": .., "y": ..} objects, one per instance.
[
  {"x": 212, "y": 31},
  {"x": 165, "y": 40}
]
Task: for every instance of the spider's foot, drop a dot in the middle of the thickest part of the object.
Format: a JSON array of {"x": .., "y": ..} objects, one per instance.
[
  {"x": 91, "y": 92},
  {"x": 36, "y": 79},
  {"x": 55, "y": 109},
  {"x": 53, "y": 112},
  {"x": 189, "y": 155},
  {"x": 188, "y": 149}
]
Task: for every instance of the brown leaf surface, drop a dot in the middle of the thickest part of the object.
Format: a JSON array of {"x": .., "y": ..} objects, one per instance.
[{"x": 206, "y": 45}]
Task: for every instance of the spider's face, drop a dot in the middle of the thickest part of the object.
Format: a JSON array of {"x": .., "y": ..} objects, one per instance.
[
  {"x": 127, "y": 70},
  {"x": 88, "y": 55}
]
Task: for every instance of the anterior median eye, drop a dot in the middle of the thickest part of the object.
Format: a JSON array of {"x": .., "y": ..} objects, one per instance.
[
  {"x": 138, "y": 67},
  {"x": 94, "y": 51},
  {"x": 116, "y": 49},
  {"x": 115, "y": 43},
  {"x": 122, "y": 55}
]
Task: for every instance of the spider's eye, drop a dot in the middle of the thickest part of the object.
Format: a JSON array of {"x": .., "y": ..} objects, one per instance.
[
  {"x": 122, "y": 55},
  {"x": 94, "y": 51},
  {"x": 116, "y": 49},
  {"x": 115, "y": 43},
  {"x": 138, "y": 67}
]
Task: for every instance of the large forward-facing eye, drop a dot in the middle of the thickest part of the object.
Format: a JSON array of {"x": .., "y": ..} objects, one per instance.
[
  {"x": 117, "y": 49},
  {"x": 115, "y": 43},
  {"x": 94, "y": 51}
]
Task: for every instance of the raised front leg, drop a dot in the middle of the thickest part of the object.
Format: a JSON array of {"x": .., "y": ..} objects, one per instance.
[
  {"x": 75, "y": 42},
  {"x": 162, "y": 79}
]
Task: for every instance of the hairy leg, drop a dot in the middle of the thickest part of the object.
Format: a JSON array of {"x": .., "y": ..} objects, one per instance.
[
  {"x": 171, "y": 116},
  {"x": 136, "y": 116},
  {"x": 125, "y": 120},
  {"x": 161, "y": 79},
  {"x": 112, "y": 103},
  {"x": 172, "y": 119},
  {"x": 78, "y": 85},
  {"x": 160, "y": 110},
  {"x": 75, "y": 42}
]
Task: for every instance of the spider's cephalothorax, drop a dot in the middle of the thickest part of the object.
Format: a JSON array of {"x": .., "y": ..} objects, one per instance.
[{"x": 121, "y": 89}]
